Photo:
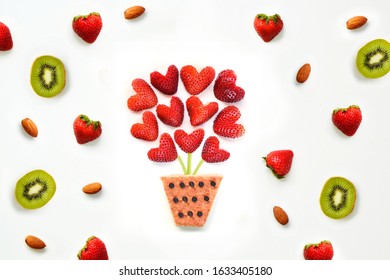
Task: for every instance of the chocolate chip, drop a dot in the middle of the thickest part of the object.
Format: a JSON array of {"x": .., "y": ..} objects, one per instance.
[
  {"x": 200, "y": 214},
  {"x": 200, "y": 184},
  {"x": 181, "y": 215},
  {"x": 171, "y": 185},
  {"x": 185, "y": 199},
  {"x": 191, "y": 184},
  {"x": 212, "y": 183},
  {"x": 206, "y": 198},
  {"x": 189, "y": 213},
  {"x": 194, "y": 199},
  {"x": 175, "y": 200},
  {"x": 182, "y": 185}
]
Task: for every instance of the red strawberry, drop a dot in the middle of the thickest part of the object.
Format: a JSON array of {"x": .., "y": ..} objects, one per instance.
[
  {"x": 88, "y": 27},
  {"x": 225, "y": 88},
  {"x": 166, "y": 84},
  {"x": 225, "y": 123},
  {"x": 195, "y": 82},
  {"x": 320, "y": 251},
  {"x": 172, "y": 115},
  {"x": 6, "y": 42},
  {"x": 267, "y": 27},
  {"x": 86, "y": 130},
  {"x": 148, "y": 130},
  {"x": 94, "y": 249},
  {"x": 347, "y": 120},
  {"x": 145, "y": 98},
  {"x": 279, "y": 162},
  {"x": 212, "y": 153},
  {"x": 198, "y": 112},
  {"x": 166, "y": 151},
  {"x": 189, "y": 142}
]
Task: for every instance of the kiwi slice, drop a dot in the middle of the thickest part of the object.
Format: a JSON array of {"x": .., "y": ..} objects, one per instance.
[
  {"x": 35, "y": 189},
  {"x": 48, "y": 76},
  {"x": 338, "y": 197},
  {"x": 373, "y": 59}
]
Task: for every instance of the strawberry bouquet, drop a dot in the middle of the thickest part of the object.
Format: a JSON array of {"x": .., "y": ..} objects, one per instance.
[{"x": 190, "y": 195}]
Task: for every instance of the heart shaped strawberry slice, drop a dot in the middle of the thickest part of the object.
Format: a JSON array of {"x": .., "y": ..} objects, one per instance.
[
  {"x": 225, "y": 88},
  {"x": 212, "y": 153},
  {"x": 198, "y": 112},
  {"x": 189, "y": 142},
  {"x": 225, "y": 123},
  {"x": 171, "y": 115},
  {"x": 145, "y": 98},
  {"x": 167, "y": 83},
  {"x": 148, "y": 130},
  {"x": 166, "y": 152},
  {"x": 195, "y": 82}
]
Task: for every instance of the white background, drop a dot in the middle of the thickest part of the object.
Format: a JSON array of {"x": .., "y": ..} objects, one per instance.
[{"x": 131, "y": 214}]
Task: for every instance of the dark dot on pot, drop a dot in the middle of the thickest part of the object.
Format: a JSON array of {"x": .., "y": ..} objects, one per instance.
[
  {"x": 182, "y": 185},
  {"x": 185, "y": 199},
  {"x": 171, "y": 185},
  {"x": 175, "y": 200},
  {"x": 206, "y": 198},
  {"x": 189, "y": 213},
  {"x": 199, "y": 214},
  {"x": 212, "y": 183},
  {"x": 191, "y": 184},
  {"x": 181, "y": 215},
  {"x": 194, "y": 199},
  {"x": 201, "y": 184}
]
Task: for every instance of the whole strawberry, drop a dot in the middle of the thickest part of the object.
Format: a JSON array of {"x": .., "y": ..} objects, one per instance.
[
  {"x": 6, "y": 42},
  {"x": 279, "y": 162},
  {"x": 86, "y": 130},
  {"x": 268, "y": 27},
  {"x": 88, "y": 27},
  {"x": 320, "y": 251},
  {"x": 94, "y": 249},
  {"x": 347, "y": 120}
]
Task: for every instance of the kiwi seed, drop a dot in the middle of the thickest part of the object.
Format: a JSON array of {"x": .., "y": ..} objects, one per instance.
[
  {"x": 35, "y": 189},
  {"x": 48, "y": 76},
  {"x": 338, "y": 197},
  {"x": 373, "y": 59}
]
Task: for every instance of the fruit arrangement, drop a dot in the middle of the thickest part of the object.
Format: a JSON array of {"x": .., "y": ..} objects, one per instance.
[{"x": 177, "y": 127}]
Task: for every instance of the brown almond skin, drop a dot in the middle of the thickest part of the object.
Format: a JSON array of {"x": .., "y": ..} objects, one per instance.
[
  {"x": 303, "y": 73},
  {"x": 92, "y": 188},
  {"x": 280, "y": 215},
  {"x": 356, "y": 22},
  {"x": 34, "y": 242},
  {"x": 134, "y": 12},
  {"x": 30, "y": 127}
]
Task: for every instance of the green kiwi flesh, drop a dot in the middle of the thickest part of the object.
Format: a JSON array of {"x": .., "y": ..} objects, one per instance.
[
  {"x": 48, "y": 76},
  {"x": 373, "y": 59},
  {"x": 35, "y": 189},
  {"x": 338, "y": 197}
]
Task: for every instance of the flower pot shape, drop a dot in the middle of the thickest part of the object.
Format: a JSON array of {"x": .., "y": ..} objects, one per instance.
[{"x": 191, "y": 197}]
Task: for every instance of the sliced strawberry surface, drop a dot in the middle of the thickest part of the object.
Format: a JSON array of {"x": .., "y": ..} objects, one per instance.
[
  {"x": 198, "y": 112},
  {"x": 167, "y": 83},
  {"x": 196, "y": 82},
  {"x": 189, "y": 142},
  {"x": 225, "y": 123},
  {"x": 165, "y": 152},
  {"x": 212, "y": 153},
  {"x": 172, "y": 115},
  {"x": 145, "y": 97},
  {"x": 148, "y": 130}
]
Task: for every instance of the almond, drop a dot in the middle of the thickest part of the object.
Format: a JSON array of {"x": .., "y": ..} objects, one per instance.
[
  {"x": 280, "y": 215},
  {"x": 303, "y": 73},
  {"x": 92, "y": 188},
  {"x": 134, "y": 12},
  {"x": 34, "y": 242},
  {"x": 356, "y": 22},
  {"x": 30, "y": 127}
]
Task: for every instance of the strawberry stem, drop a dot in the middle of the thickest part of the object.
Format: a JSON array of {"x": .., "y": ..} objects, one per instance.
[
  {"x": 198, "y": 166},
  {"x": 189, "y": 161},
  {"x": 182, "y": 164}
]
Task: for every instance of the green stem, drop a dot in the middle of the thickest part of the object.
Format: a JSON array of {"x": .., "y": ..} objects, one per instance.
[
  {"x": 189, "y": 161},
  {"x": 182, "y": 164},
  {"x": 198, "y": 166}
]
